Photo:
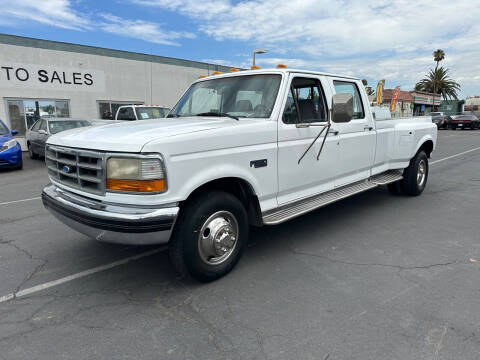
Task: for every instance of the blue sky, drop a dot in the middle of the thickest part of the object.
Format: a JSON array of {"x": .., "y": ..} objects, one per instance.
[{"x": 370, "y": 39}]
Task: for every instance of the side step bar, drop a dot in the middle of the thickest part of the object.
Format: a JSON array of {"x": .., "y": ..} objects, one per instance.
[{"x": 297, "y": 208}]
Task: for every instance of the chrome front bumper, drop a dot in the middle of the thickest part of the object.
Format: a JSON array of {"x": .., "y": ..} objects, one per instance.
[{"x": 115, "y": 223}]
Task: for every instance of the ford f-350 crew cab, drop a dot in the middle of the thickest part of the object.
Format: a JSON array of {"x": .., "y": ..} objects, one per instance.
[{"x": 246, "y": 148}]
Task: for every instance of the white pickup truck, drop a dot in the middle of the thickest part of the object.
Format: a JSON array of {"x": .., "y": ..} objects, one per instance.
[{"x": 243, "y": 149}]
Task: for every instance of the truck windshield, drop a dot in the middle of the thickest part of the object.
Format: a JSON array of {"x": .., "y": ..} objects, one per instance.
[
  {"x": 250, "y": 96},
  {"x": 145, "y": 113}
]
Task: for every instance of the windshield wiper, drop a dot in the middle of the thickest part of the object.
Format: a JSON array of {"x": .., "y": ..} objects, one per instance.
[
  {"x": 212, "y": 113},
  {"x": 173, "y": 115}
]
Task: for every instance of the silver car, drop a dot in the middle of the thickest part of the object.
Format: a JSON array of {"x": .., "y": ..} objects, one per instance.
[{"x": 38, "y": 134}]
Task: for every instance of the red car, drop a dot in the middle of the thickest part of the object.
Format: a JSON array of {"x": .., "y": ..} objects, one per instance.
[{"x": 465, "y": 121}]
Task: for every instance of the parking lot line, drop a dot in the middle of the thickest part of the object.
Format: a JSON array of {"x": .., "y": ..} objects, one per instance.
[
  {"x": 79, "y": 275},
  {"x": 17, "y": 201},
  {"x": 453, "y": 156}
]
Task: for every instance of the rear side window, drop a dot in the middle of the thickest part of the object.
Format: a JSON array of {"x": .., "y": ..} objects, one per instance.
[{"x": 344, "y": 87}]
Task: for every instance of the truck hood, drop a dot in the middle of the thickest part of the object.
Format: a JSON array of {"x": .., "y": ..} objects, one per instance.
[{"x": 131, "y": 136}]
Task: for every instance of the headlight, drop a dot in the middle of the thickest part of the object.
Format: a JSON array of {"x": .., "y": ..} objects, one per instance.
[
  {"x": 136, "y": 175},
  {"x": 8, "y": 145}
]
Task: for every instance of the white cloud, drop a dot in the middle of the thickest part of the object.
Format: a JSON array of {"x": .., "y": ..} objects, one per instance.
[
  {"x": 62, "y": 14},
  {"x": 368, "y": 38},
  {"x": 58, "y": 13},
  {"x": 144, "y": 30}
]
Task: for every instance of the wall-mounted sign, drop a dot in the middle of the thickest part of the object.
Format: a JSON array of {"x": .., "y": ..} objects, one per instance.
[{"x": 53, "y": 78}]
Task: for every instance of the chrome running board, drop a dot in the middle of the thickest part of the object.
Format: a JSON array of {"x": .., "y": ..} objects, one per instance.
[{"x": 297, "y": 208}]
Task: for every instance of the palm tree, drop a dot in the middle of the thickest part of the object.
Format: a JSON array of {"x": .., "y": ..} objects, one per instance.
[
  {"x": 438, "y": 56},
  {"x": 438, "y": 81}
]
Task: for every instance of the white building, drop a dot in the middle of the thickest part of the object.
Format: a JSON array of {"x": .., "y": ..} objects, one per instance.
[{"x": 48, "y": 78}]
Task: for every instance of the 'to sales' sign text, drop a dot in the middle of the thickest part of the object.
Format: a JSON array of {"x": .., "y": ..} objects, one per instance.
[{"x": 38, "y": 76}]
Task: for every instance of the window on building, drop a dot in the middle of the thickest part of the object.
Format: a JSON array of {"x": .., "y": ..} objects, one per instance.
[
  {"x": 23, "y": 113},
  {"x": 344, "y": 87},
  {"x": 107, "y": 109}
]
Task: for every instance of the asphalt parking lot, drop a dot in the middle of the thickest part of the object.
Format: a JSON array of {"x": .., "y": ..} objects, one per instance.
[{"x": 375, "y": 276}]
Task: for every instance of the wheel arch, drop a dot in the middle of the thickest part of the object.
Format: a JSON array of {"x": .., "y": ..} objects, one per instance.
[
  {"x": 239, "y": 188},
  {"x": 427, "y": 145}
]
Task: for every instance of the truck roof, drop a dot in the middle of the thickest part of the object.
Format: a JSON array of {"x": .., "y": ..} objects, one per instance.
[
  {"x": 278, "y": 71},
  {"x": 141, "y": 105}
]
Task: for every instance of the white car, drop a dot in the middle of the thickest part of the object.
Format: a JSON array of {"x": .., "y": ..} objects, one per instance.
[{"x": 243, "y": 149}]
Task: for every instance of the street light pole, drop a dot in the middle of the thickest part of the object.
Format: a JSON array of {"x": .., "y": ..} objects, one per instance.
[{"x": 258, "y": 51}]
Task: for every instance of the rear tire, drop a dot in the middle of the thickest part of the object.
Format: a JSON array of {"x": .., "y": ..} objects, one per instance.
[
  {"x": 31, "y": 153},
  {"x": 210, "y": 236},
  {"x": 415, "y": 175}
]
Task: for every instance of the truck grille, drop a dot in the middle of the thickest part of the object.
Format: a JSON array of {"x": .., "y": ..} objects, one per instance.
[{"x": 76, "y": 168}]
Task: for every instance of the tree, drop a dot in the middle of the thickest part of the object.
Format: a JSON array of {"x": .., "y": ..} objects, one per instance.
[
  {"x": 438, "y": 56},
  {"x": 438, "y": 81}
]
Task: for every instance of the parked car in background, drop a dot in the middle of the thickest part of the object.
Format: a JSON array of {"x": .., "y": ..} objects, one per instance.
[
  {"x": 465, "y": 121},
  {"x": 436, "y": 113},
  {"x": 38, "y": 134},
  {"x": 133, "y": 113},
  {"x": 10, "y": 150},
  {"x": 442, "y": 121},
  {"x": 141, "y": 112}
]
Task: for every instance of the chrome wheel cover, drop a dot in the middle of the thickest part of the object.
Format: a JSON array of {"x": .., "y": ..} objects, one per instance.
[
  {"x": 217, "y": 238},
  {"x": 421, "y": 172}
]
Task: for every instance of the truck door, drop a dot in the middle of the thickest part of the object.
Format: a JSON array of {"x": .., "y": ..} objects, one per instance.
[
  {"x": 304, "y": 109},
  {"x": 357, "y": 137}
]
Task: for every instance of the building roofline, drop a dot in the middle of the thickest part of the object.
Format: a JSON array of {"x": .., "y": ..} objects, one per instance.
[{"x": 100, "y": 51}]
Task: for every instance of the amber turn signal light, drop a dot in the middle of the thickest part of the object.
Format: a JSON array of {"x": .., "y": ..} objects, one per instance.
[{"x": 136, "y": 185}]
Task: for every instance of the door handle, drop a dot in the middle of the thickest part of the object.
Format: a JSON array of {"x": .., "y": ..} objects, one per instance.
[
  {"x": 333, "y": 132},
  {"x": 368, "y": 127}
]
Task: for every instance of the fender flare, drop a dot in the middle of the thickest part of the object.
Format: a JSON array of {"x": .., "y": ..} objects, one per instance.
[{"x": 422, "y": 141}]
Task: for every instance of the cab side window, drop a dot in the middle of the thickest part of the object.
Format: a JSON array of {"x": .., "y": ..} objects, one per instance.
[
  {"x": 344, "y": 87},
  {"x": 305, "y": 102},
  {"x": 126, "y": 113}
]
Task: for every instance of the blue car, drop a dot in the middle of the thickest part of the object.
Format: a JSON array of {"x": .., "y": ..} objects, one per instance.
[{"x": 10, "y": 150}]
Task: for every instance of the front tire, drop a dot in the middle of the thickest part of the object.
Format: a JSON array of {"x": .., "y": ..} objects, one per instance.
[
  {"x": 210, "y": 236},
  {"x": 415, "y": 175}
]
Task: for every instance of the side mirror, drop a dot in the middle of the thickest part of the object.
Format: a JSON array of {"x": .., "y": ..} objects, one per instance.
[
  {"x": 42, "y": 132},
  {"x": 14, "y": 132},
  {"x": 342, "y": 108}
]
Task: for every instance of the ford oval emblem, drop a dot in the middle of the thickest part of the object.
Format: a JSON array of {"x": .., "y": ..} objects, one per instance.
[{"x": 67, "y": 169}]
